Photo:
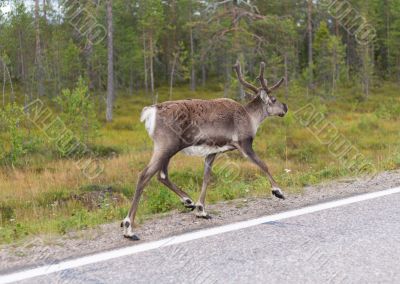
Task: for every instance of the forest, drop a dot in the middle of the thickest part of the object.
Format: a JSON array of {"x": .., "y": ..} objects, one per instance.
[
  {"x": 92, "y": 65},
  {"x": 48, "y": 45}
]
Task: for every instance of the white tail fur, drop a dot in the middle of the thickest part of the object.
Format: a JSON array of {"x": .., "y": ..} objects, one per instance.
[{"x": 148, "y": 116}]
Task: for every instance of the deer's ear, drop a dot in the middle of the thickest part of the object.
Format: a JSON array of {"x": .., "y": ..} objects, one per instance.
[{"x": 264, "y": 96}]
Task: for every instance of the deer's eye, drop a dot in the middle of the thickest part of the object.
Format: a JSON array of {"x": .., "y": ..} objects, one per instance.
[{"x": 273, "y": 99}]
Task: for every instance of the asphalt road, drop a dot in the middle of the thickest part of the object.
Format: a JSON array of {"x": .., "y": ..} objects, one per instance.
[{"x": 355, "y": 243}]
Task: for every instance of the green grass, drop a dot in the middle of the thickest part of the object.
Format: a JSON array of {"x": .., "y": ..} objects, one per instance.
[{"x": 48, "y": 195}]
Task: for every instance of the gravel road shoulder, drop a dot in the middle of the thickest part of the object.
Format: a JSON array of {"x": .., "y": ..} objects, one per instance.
[{"x": 51, "y": 249}]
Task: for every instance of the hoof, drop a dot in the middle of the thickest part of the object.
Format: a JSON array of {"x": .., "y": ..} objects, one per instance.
[
  {"x": 128, "y": 231},
  {"x": 132, "y": 238},
  {"x": 201, "y": 213},
  {"x": 278, "y": 193},
  {"x": 191, "y": 206},
  {"x": 203, "y": 216},
  {"x": 188, "y": 203}
]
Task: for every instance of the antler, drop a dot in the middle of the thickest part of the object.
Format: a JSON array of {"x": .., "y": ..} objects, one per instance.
[
  {"x": 238, "y": 70},
  {"x": 264, "y": 83},
  {"x": 277, "y": 85}
]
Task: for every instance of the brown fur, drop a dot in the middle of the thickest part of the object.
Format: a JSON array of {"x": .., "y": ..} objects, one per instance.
[
  {"x": 213, "y": 126},
  {"x": 198, "y": 122}
]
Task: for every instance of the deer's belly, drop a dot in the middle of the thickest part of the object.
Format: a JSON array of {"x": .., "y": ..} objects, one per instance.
[{"x": 204, "y": 150}]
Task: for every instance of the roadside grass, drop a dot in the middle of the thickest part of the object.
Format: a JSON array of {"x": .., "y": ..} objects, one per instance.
[{"x": 49, "y": 195}]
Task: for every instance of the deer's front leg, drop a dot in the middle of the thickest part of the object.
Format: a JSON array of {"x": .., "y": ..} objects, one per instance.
[
  {"x": 200, "y": 208},
  {"x": 247, "y": 150}
]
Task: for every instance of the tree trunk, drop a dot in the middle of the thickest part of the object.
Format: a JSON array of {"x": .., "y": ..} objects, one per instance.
[
  {"x": 38, "y": 57},
  {"x": 365, "y": 70},
  {"x": 337, "y": 28},
  {"x": 285, "y": 58},
  {"x": 4, "y": 83},
  {"x": 334, "y": 71},
  {"x": 89, "y": 65},
  {"x": 171, "y": 80},
  {"x": 110, "y": 58},
  {"x": 91, "y": 74},
  {"x": 192, "y": 65},
  {"x": 21, "y": 54},
  {"x": 310, "y": 43},
  {"x": 203, "y": 74},
  {"x": 337, "y": 70},
  {"x": 57, "y": 71},
  {"x": 398, "y": 70},
  {"x": 131, "y": 80},
  {"x": 146, "y": 84},
  {"x": 387, "y": 62},
  {"x": 192, "y": 61},
  {"x": 44, "y": 11},
  {"x": 227, "y": 77},
  {"x": 151, "y": 66},
  {"x": 348, "y": 53}
]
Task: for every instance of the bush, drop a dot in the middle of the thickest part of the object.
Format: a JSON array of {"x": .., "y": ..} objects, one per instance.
[
  {"x": 78, "y": 112},
  {"x": 15, "y": 140},
  {"x": 388, "y": 110},
  {"x": 368, "y": 123},
  {"x": 6, "y": 213},
  {"x": 160, "y": 200}
]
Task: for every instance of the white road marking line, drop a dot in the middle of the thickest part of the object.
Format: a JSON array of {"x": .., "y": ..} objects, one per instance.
[{"x": 99, "y": 257}]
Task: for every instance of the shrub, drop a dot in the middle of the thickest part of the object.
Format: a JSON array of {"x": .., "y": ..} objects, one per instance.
[
  {"x": 160, "y": 200},
  {"x": 6, "y": 213},
  {"x": 368, "y": 123},
  {"x": 78, "y": 112},
  {"x": 388, "y": 110},
  {"x": 15, "y": 140}
]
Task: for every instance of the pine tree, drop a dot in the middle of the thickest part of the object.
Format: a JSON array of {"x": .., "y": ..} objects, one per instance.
[{"x": 329, "y": 58}]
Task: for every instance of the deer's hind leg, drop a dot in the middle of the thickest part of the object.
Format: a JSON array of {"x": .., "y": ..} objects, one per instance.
[
  {"x": 157, "y": 161},
  {"x": 164, "y": 179}
]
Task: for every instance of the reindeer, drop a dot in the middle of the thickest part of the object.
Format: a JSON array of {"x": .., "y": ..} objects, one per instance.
[{"x": 204, "y": 128}]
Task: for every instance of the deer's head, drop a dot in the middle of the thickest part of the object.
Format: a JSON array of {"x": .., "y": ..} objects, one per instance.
[{"x": 271, "y": 106}]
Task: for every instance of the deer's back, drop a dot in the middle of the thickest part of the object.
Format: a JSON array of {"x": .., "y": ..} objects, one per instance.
[{"x": 197, "y": 122}]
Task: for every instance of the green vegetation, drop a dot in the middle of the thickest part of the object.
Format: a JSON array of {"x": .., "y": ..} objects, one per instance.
[
  {"x": 142, "y": 51},
  {"x": 50, "y": 195},
  {"x": 15, "y": 140},
  {"x": 78, "y": 112}
]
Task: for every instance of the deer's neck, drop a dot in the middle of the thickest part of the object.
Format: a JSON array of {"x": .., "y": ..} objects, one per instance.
[{"x": 256, "y": 110}]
